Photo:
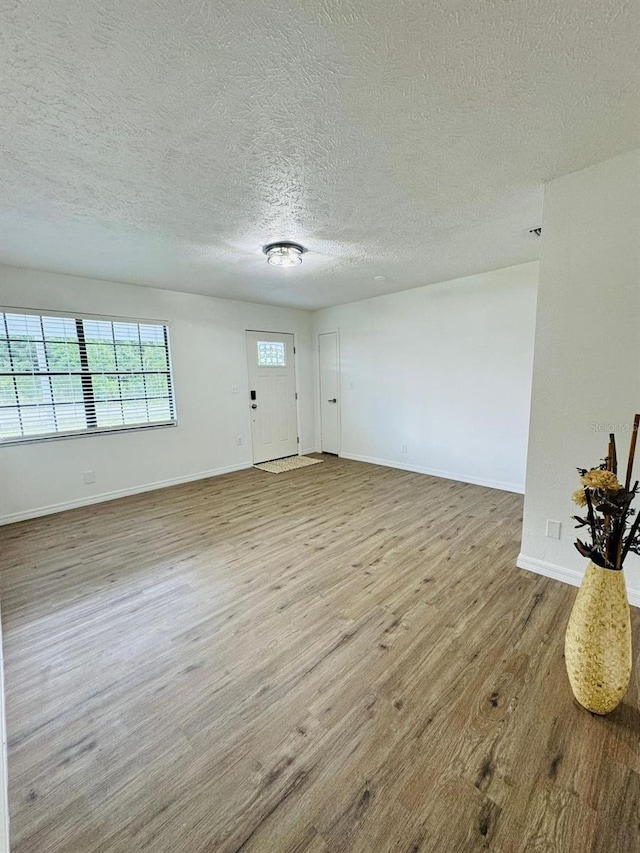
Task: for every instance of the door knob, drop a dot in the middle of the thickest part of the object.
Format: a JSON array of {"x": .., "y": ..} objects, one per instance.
[
  {"x": 333, "y": 400},
  {"x": 254, "y": 405}
]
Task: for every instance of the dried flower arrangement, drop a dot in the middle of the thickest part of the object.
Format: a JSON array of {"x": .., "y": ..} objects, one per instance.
[{"x": 609, "y": 509}]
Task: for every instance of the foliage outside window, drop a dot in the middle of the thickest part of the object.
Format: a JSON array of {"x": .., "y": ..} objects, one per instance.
[{"x": 66, "y": 376}]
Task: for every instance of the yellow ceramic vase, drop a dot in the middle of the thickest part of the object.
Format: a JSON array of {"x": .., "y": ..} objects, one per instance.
[{"x": 598, "y": 641}]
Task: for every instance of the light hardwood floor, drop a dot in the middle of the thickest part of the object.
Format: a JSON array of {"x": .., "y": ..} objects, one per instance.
[{"x": 342, "y": 658}]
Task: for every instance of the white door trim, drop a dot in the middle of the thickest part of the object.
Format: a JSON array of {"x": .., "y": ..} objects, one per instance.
[
  {"x": 247, "y": 327},
  {"x": 331, "y": 331},
  {"x": 250, "y": 327}
]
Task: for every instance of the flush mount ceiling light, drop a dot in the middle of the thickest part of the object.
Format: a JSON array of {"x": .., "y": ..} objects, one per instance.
[{"x": 284, "y": 254}]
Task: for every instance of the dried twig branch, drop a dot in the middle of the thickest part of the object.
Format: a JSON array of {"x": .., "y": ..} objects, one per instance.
[
  {"x": 590, "y": 515},
  {"x": 632, "y": 450},
  {"x": 630, "y": 538},
  {"x": 612, "y": 457}
]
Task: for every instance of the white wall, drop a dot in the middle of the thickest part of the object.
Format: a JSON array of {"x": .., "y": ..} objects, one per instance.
[
  {"x": 444, "y": 369},
  {"x": 209, "y": 357},
  {"x": 587, "y": 353}
]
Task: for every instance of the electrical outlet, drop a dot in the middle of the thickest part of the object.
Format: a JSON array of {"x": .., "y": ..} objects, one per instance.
[
  {"x": 553, "y": 529},
  {"x": 89, "y": 477},
  {"x": 235, "y": 389},
  {"x": 404, "y": 448},
  {"x": 239, "y": 439}
]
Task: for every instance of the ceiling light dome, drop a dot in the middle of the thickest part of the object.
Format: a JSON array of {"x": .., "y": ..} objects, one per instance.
[{"x": 284, "y": 254}]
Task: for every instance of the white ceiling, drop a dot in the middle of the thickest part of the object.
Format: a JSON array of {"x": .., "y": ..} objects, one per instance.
[{"x": 164, "y": 143}]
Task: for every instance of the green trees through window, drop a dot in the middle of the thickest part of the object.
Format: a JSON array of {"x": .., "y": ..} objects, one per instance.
[{"x": 69, "y": 375}]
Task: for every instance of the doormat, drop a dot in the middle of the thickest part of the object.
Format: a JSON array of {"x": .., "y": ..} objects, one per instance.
[{"x": 279, "y": 466}]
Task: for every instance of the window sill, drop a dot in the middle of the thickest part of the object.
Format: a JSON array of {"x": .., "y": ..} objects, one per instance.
[{"x": 61, "y": 436}]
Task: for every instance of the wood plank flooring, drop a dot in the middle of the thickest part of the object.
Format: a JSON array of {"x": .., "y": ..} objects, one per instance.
[{"x": 341, "y": 658}]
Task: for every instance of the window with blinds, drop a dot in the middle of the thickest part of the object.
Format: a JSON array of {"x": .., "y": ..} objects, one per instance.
[{"x": 70, "y": 375}]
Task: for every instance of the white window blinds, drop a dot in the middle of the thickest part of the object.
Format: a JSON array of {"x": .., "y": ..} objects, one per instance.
[{"x": 68, "y": 376}]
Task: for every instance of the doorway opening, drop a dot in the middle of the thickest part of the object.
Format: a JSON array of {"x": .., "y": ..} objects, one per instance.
[
  {"x": 272, "y": 395},
  {"x": 329, "y": 366}
]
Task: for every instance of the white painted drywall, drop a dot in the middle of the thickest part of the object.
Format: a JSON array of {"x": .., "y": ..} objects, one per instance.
[
  {"x": 208, "y": 350},
  {"x": 587, "y": 351},
  {"x": 444, "y": 370}
]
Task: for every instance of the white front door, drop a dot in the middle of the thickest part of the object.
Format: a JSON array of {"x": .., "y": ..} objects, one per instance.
[
  {"x": 329, "y": 390},
  {"x": 272, "y": 395}
]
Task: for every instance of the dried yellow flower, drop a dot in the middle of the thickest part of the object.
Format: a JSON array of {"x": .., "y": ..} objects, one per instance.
[
  {"x": 598, "y": 479},
  {"x": 579, "y": 497}
]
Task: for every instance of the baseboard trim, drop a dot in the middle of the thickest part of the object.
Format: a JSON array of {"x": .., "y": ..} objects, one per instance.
[
  {"x": 119, "y": 493},
  {"x": 560, "y": 573},
  {"x": 434, "y": 472}
]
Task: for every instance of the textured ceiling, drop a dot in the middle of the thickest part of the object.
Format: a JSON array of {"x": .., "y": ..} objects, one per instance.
[{"x": 163, "y": 143}]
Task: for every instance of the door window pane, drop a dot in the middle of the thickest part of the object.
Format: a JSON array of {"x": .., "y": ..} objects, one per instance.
[{"x": 272, "y": 354}]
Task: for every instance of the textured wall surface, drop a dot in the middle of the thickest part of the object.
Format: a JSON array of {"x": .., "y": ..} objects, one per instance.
[{"x": 163, "y": 143}]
